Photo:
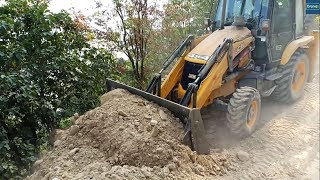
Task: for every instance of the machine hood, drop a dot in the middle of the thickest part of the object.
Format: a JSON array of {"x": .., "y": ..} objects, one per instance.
[{"x": 206, "y": 48}]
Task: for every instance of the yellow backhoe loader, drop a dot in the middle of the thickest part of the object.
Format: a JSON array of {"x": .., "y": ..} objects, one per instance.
[{"x": 257, "y": 48}]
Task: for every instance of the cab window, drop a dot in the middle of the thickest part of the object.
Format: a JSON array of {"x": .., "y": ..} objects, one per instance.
[{"x": 282, "y": 16}]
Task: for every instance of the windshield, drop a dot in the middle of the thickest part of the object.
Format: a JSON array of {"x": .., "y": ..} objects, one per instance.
[{"x": 251, "y": 10}]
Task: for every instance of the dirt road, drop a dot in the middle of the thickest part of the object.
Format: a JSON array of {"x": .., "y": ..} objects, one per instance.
[{"x": 286, "y": 146}]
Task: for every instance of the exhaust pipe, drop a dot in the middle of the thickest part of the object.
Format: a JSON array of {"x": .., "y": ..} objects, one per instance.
[{"x": 223, "y": 16}]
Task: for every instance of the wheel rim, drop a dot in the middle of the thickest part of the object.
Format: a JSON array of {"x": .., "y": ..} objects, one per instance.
[
  {"x": 299, "y": 77},
  {"x": 252, "y": 114}
]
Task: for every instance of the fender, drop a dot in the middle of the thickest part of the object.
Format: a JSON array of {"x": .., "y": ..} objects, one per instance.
[
  {"x": 313, "y": 54},
  {"x": 293, "y": 46}
]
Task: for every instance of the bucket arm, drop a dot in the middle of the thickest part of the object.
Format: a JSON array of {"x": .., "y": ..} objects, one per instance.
[{"x": 155, "y": 84}]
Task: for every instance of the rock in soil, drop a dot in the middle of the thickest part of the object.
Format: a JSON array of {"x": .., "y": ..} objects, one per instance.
[
  {"x": 147, "y": 117},
  {"x": 163, "y": 115},
  {"x": 155, "y": 131},
  {"x": 73, "y": 151},
  {"x": 122, "y": 113},
  {"x": 117, "y": 140},
  {"x": 57, "y": 143},
  {"x": 74, "y": 130},
  {"x": 38, "y": 162},
  {"x": 243, "y": 156},
  {"x": 75, "y": 117},
  {"x": 153, "y": 122}
]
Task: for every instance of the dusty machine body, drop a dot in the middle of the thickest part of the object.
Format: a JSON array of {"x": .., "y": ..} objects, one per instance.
[{"x": 256, "y": 49}]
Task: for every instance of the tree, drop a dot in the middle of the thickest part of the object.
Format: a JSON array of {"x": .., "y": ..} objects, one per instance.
[
  {"x": 134, "y": 24},
  {"x": 137, "y": 21},
  {"x": 48, "y": 71}
]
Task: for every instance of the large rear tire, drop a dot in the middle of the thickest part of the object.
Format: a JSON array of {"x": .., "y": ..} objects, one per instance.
[
  {"x": 244, "y": 111},
  {"x": 290, "y": 86}
]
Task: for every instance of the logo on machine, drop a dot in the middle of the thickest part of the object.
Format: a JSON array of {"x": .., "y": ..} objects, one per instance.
[
  {"x": 278, "y": 47},
  {"x": 192, "y": 76},
  {"x": 197, "y": 56},
  {"x": 313, "y": 7}
]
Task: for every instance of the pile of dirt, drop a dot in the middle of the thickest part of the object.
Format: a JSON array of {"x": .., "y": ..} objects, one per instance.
[{"x": 127, "y": 137}]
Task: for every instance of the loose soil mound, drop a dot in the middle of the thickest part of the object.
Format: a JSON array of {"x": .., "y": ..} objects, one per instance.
[{"x": 126, "y": 137}]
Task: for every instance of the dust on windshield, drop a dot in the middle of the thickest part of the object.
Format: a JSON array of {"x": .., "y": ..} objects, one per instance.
[{"x": 249, "y": 9}]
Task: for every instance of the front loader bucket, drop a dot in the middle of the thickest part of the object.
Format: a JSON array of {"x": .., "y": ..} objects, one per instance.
[{"x": 194, "y": 135}]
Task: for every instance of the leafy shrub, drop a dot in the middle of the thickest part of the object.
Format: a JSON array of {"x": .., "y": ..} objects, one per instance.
[
  {"x": 48, "y": 71},
  {"x": 65, "y": 123}
]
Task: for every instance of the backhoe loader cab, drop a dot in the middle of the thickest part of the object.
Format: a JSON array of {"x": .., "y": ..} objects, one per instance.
[
  {"x": 257, "y": 48},
  {"x": 273, "y": 23}
]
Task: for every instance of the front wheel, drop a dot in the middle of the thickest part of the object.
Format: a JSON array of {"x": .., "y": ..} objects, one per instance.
[
  {"x": 244, "y": 111},
  {"x": 291, "y": 85}
]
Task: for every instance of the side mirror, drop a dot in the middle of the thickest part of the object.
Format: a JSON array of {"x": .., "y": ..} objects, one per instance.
[{"x": 265, "y": 25}]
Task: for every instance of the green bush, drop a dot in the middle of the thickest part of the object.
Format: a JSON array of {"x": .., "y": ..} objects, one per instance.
[
  {"x": 48, "y": 71},
  {"x": 65, "y": 123}
]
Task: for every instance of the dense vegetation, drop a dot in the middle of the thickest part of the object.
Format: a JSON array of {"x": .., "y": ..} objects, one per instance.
[{"x": 48, "y": 71}]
